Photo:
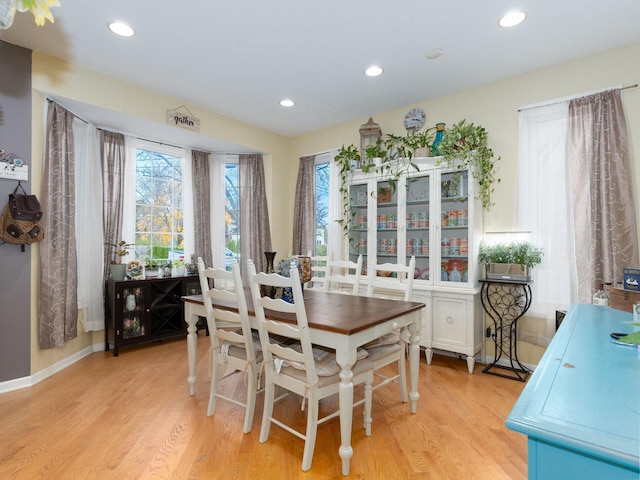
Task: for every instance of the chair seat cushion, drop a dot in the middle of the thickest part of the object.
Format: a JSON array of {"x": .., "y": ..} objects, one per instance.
[
  {"x": 388, "y": 339},
  {"x": 326, "y": 365},
  {"x": 240, "y": 352},
  {"x": 257, "y": 346},
  {"x": 359, "y": 367},
  {"x": 384, "y": 351}
]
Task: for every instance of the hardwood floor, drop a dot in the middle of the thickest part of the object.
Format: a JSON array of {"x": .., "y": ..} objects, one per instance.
[{"x": 131, "y": 417}]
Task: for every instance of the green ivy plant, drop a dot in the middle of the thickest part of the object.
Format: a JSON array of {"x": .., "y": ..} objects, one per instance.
[
  {"x": 388, "y": 159},
  {"x": 464, "y": 147},
  {"x": 348, "y": 161}
]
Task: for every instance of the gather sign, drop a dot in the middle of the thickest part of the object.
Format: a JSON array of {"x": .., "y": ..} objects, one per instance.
[{"x": 183, "y": 120}]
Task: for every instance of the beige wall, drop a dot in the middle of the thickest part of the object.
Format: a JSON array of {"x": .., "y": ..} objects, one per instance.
[{"x": 495, "y": 106}]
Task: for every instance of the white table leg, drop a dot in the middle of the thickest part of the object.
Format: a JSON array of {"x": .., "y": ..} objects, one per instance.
[
  {"x": 414, "y": 361},
  {"x": 345, "y": 393},
  {"x": 192, "y": 345}
]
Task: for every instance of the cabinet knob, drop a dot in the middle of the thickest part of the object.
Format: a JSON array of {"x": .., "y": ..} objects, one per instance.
[
  {"x": 395, "y": 326},
  {"x": 449, "y": 320},
  {"x": 148, "y": 310}
]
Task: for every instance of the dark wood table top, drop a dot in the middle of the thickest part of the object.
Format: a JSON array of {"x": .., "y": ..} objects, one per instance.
[{"x": 346, "y": 314}]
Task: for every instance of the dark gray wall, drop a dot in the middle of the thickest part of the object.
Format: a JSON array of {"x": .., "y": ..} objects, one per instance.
[{"x": 15, "y": 266}]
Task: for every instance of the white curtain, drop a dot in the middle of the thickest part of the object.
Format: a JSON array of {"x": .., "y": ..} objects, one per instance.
[
  {"x": 218, "y": 162},
  {"x": 335, "y": 235},
  {"x": 543, "y": 208},
  {"x": 89, "y": 227}
]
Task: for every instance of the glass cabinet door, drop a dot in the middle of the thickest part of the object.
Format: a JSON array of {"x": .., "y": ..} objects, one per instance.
[
  {"x": 454, "y": 227},
  {"x": 358, "y": 204},
  {"x": 418, "y": 225},
  {"x": 133, "y": 312},
  {"x": 386, "y": 223}
]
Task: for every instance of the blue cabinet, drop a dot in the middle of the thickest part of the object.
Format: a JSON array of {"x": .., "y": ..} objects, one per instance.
[{"x": 581, "y": 407}]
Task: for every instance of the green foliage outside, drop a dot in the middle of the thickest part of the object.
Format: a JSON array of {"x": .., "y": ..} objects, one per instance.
[{"x": 233, "y": 245}]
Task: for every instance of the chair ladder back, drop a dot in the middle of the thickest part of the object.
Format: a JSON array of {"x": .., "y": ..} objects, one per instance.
[
  {"x": 339, "y": 273},
  {"x": 402, "y": 284},
  {"x": 268, "y": 327},
  {"x": 318, "y": 270},
  {"x": 227, "y": 289}
]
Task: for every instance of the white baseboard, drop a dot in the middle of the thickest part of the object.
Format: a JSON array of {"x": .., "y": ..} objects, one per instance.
[{"x": 24, "y": 382}]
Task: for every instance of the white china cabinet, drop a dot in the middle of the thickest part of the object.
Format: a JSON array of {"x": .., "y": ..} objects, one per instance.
[{"x": 432, "y": 215}]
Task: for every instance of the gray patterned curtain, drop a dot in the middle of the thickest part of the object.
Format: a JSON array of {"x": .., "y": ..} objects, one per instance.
[
  {"x": 254, "y": 220},
  {"x": 112, "y": 191},
  {"x": 202, "y": 203},
  {"x": 58, "y": 305},
  {"x": 603, "y": 208},
  {"x": 304, "y": 210}
]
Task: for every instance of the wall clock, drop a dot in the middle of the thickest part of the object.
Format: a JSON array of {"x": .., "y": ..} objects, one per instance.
[{"x": 414, "y": 119}]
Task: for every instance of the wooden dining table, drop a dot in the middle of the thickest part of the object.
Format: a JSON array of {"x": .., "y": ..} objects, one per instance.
[{"x": 340, "y": 322}]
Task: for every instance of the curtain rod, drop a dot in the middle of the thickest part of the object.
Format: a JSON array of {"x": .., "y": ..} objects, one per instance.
[
  {"x": 51, "y": 100},
  {"x": 571, "y": 97},
  {"x": 327, "y": 152}
]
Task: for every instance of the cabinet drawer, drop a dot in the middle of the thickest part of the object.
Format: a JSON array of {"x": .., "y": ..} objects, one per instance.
[{"x": 449, "y": 321}]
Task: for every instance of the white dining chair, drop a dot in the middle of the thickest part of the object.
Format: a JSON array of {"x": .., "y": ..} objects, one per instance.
[
  {"x": 310, "y": 372},
  {"x": 343, "y": 276},
  {"x": 234, "y": 347},
  {"x": 391, "y": 347},
  {"x": 318, "y": 271}
]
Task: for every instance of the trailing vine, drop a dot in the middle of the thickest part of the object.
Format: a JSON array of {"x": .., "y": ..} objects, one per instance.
[{"x": 464, "y": 147}]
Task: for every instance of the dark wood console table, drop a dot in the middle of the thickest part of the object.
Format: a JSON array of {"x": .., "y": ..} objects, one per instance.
[{"x": 505, "y": 301}]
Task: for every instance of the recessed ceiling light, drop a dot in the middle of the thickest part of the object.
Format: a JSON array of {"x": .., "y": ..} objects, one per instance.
[
  {"x": 512, "y": 19},
  {"x": 373, "y": 71},
  {"x": 435, "y": 53},
  {"x": 287, "y": 103},
  {"x": 121, "y": 29}
]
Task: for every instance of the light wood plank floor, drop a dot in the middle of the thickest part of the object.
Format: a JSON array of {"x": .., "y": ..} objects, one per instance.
[{"x": 131, "y": 417}]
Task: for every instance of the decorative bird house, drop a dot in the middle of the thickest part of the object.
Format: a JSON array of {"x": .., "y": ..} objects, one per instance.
[{"x": 370, "y": 133}]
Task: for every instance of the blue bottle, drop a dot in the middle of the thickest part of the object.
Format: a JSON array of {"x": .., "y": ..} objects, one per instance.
[{"x": 438, "y": 140}]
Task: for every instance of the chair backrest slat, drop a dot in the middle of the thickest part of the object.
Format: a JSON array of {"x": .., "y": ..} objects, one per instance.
[
  {"x": 341, "y": 273},
  {"x": 225, "y": 287},
  {"x": 401, "y": 285},
  {"x": 318, "y": 270},
  {"x": 270, "y": 328}
]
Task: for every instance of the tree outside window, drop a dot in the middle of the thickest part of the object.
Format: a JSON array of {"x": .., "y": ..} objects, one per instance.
[{"x": 159, "y": 215}]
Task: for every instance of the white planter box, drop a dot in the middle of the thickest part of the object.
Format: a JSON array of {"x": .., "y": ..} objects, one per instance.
[{"x": 508, "y": 271}]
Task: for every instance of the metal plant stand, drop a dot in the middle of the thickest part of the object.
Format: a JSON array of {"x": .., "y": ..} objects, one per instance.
[{"x": 505, "y": 301}]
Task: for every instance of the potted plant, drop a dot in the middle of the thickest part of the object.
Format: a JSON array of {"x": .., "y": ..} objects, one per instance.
[
  {"x": 419, "y": 143},
  {"x": 464, "y": 147},
  {"x": 374, "y": 156},
  {"x": 509, "y": 261},
  {"x": 151, "y": 267},
  {"x": 178, "y": 268},
  {"x": 116, "y": 267}
]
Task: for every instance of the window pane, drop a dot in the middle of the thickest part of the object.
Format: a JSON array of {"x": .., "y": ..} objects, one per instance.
[
  {"x": 322, "y": 208},
  {"x": 232, "y": 213},
  {"x": 159, "y": 222}
]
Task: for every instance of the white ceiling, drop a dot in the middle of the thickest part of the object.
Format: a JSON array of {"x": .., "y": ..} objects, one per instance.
[{"x": 241, "y": 57}]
